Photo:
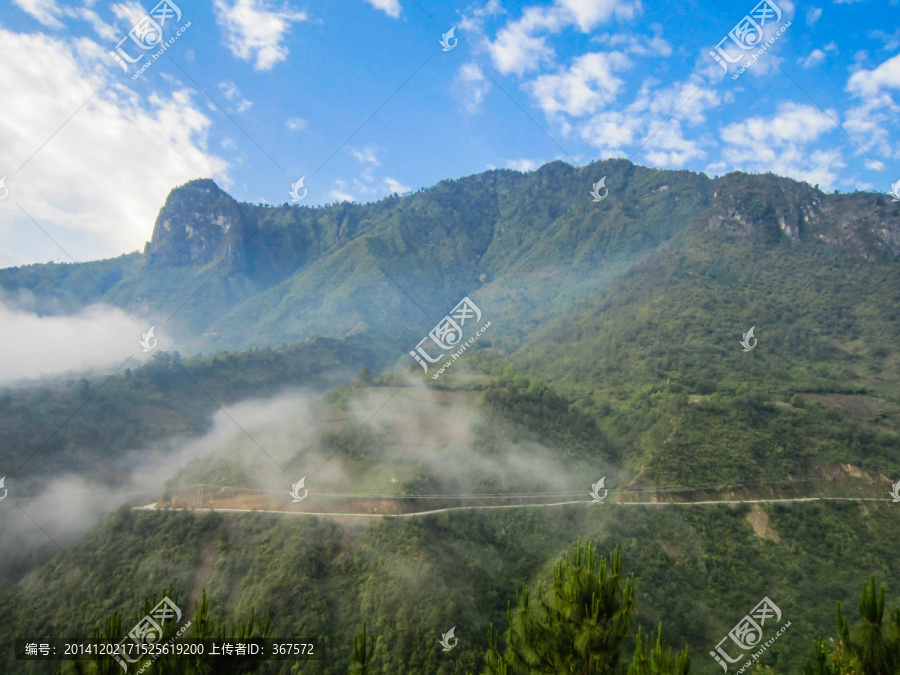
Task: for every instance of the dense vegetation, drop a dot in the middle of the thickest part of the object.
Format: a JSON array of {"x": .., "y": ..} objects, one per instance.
[{"x": 615, "y": 354}]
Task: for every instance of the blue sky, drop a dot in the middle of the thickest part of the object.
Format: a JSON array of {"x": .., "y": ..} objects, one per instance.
[{"x": 360, "y": 98}]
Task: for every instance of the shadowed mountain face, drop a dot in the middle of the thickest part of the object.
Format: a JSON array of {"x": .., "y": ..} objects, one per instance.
[{"x": 524, "y": 246}]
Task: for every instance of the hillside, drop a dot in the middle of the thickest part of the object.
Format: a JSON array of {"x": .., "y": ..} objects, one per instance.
[
  {"x": 616, "y": 354},
  {"x": 231, "y": 275}
]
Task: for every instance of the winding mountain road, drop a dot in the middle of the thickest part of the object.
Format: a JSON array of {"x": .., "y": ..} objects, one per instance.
[{"x": 416, "y": 514}]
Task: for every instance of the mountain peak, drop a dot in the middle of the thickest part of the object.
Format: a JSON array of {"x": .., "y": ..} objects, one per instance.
[{"x": 198, "y": 223}]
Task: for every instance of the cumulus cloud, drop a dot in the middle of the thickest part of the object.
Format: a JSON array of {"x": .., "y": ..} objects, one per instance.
[
  {"x": 816, "y": 56},
  {"x": 871, "y": 122},
  {"x": 588, "y": 84},
  {"x": 94, "y": 183},
  {"x": 390, "y": 7},
  {"x": 871, "y": 82},
  {"x": 519, "y": 46},
  {"x": 254, "y": 31},
  {"x": 784, "y": 143},
  {"x": 654, "y": 123},
  {"x": 517, "y": 49}
]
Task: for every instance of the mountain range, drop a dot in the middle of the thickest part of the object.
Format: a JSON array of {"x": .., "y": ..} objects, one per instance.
[
  {"x": 221, "y": 274},
  {"x": 615, "y": 352}
]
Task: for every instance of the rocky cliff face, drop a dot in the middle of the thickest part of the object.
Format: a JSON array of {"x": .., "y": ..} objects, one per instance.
[
  {"x": 771, "y": 207},
  {"x": 199, "y": 223}
]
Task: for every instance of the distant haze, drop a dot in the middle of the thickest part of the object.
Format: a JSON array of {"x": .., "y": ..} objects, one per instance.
[{"x": 32, "y": 345}]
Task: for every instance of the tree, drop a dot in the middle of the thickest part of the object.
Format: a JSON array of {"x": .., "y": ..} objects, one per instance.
[
  {"x": 661, "y": 660},
  {"x": 579, "y": 625},
  {"x": 871, "y": 649},
  {"x": 362, "y": 653}
]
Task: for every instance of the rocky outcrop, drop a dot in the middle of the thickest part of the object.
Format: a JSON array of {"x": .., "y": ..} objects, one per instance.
[{"x": 198, "y": 224}]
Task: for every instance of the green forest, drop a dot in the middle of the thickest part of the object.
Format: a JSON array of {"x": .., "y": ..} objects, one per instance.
[{"x": 734, "y": 476}]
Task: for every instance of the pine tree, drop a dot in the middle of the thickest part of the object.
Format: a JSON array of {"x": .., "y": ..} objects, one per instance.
[
  {"x": 579, "y": 625},
  {"x": 661, "y": 660},
  {"x": 362, "y": 653},
  {"x": 872, "y": 649}
]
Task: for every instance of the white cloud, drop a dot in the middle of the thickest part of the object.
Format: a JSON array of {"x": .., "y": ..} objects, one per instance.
[
  {"x": 365, "y": 155},
  {"x": 652, "y": 124},
  {"x": 890, "y": 41},
  {"x": 396, "y": 186},
  {"x": 524, "y": 165},
  {"x": 390, "y": 7},
  {"x": 612, "y": 131},
  {"x": 48, "y": 13},
  {"x": 232, "y": 93},
  {"x": 45, "y": 11},
  {"x": 517, "y": 47},
  {"x": 872, "y": 122},
  {"x": 642, "y": 45},
  {"x": 253, "y": 30},
  {"x": 33, "y": 345},
  {"x": 588, "y": 14},
  {"x": 687, "y": 101},
  {"x": 668, "y": 147},
  {"x": 583, "y": 87},
  {"x": 871, "y": 82},
  {"x": 296, "y": 124},
  {"x": 870, "y": 125},
  {"x": 815, "y": 58},
  {"x": 813, "y": 14},
  {"x": 471, "y": 87},
  {"x": 792, "y": 123},
  {"x": 97, "y": 184},
  {"x": 784, "y": 143}
]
